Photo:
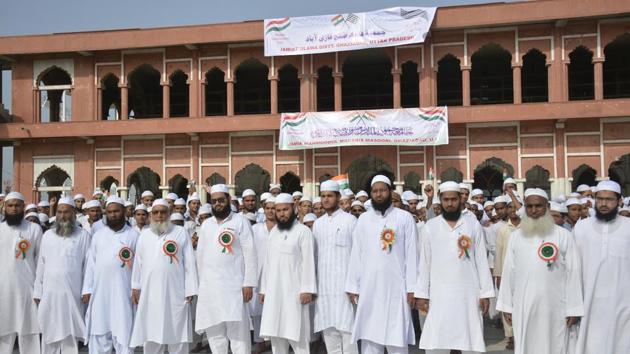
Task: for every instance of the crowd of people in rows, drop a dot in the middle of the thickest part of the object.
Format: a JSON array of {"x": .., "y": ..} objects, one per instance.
[{"x": 280, "y": 270}]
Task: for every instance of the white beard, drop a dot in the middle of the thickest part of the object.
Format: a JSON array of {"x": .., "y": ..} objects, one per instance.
[
  {"x": 64, "y": 228},
  {"x": 159, "y": 228},
  {"x": 542, "y": 226}
]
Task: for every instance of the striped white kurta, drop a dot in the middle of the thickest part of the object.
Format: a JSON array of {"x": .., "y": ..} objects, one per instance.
[{"x": 333, "y": 242}]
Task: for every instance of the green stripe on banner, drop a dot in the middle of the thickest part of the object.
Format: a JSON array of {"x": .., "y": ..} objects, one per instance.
[{"x": 277, "y": 29}]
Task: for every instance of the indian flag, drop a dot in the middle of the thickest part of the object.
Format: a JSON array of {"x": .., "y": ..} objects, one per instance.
[{"x": 343, "y": 181}]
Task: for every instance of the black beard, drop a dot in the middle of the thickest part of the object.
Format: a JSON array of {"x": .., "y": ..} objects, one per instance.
[
  {"x": 14, "y": 220},
  {"x": 286, "y": 225},
  {"x": 610, "y": 216},
  {"x": 452, "y": 215},
  {"x": 252, "y": 210},
  {"x": 382, "y": 207},
  {"x": 221, "y": 215},
  {"x": 116, "y": 225}
]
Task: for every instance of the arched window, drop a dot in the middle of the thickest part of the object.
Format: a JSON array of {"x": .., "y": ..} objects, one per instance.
[
  {"x": 251, "y": 89},
  {"x": 617, "y": 67},
  {"x": 619, "y": 171},
  {"x": 584, "y": 174},
  {"x": 143, "y": 179},
  {"x": 288, "y": 89},
  {"x": 110, "y": 101},
  {"x": 216, "y": 93},
  {"x": 449, "y": 81},
  {"x": 409, "y": 85},
  {"x": 538, "y": 177},
  {"x": 213, "y": 179},
  {"x": 412, "y": 183},
  {"x": 179, "y": 100},
  {"x": 491, "y": 76},
  {"x": 581, "y": 75},
  {"x": 534, "y": 83},
  {"x": 179, "y": 185},
  {"x": 145, "y": 93},
  {"x": 55, "y": 89},
  {"x": 361, "y": 171},
  {"x": 110, "y": 184},
  {"x": 290, "y": 183},
  {"x": 367, "y": 80},
  {"x": 53, "y": 182},
  {"x": 254, "y": 177},
  {"x": 452, "y": 174},
  {"x": 325, "y": 89}
]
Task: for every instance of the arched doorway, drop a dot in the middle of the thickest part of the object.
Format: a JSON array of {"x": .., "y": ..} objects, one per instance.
[
  {"x": 53, "y": 182},
  {"x": 254, "y": 177},
  {"x": 290, "y": 182},
  {"x": 538, "y": 177},
  {"x": 452, "y": 174},
  {"x": 619, "y": 171},
  {"x": 213, "y": 179},
  {"x": 179, "y": 185},
  {"x": 109, "y": 184},
  {"x": 584, "y": 174},
  {"x": 412, "y": 183},
  {"x": 363, "y": 169},
  {"x": 143, "y": 179},
  {"x": 489, "y": 176}
]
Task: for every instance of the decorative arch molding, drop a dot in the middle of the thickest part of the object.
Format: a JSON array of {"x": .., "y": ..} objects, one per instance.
[
  {"x": 40, "y": 67},
  {"x": 43, "y": 164}
]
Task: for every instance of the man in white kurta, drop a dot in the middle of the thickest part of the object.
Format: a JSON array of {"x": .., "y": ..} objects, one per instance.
[
  {"x": 604, "y": 243},
  {"x": 107, "y": 283},
  {"x": 164, "y": 280},
  {"x": 288, "y": 281},
  {"x": 454, "y": 282},
  {"x": 226, "y": 262},
  {"x": 334, "y": 313},
  {"x": 382, "y": 275},
  {"x": 19, "y": 312},
  {"x": 541, "y": 286},
  {"x": 58, "y": 283}
]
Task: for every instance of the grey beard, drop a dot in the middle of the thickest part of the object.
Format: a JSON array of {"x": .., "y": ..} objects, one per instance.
[
  {"x": 65, "y": 228},
  {"x": 541, "y": 226},
  {"x": 159, "y": 228}
]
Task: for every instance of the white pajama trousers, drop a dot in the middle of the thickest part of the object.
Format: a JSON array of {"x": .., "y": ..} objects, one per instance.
[
  {"x": 281, "y": 346},
  {"x": 68, "y": 345},
  {"x": 104, "y": 344},
  {"x": 29, "y": 343},
  {"x": 233, "y": 334},
  {"x": 339, "y": 342},
  {"x": 368, "y": 347},
  {"x": 256, "y": 321},
  {"x": 155, "y": 348}
]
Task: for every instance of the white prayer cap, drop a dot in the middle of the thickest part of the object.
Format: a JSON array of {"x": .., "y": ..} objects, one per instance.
[
  {"x": 19, "y": 196},
  {"x": 553, "y": 206},
  {"x": 582, "y": 188},
  {"x": 28, "y": 206},
  {"x": 176, "y": 217},
  {"x": 536, "y": 191},
  {"x": 344, "y": 197},
  {"x": 404, "y": 202},
  {"x": 160, "y": 202},
  {"x": 306, "y": 198},
  {"x": 205, "y": 209},
  {"x": 575, "y": 195},
  {"x": 309, "y": 217},
  {"x": 368, "y": 204},
  {"x": 420, "y": 206},
  {"x": 409, "y": 195},
  {"x": 219, "y": 188},
  {"x": 297, "y": 194},
  {"x": 32, "y": 213},
  {"x": 179, "y": 201},
  {"x": 317, "y": 200},
  {"x": 250, "y": 216},
  {"x": 284, "y": 198},
  {"x": 381, "y": 178},
  {"x": 234, "y": 198},
  {"x": 329, "y": 186},
  {"x": 357, "y": 203},
  {"x": 79, "y": 196},
  {"x": 348, "y": 192},
  {"x": 271, "y": 200},
  {"x": 583, "y": 201},
  {"x": 362, "y": 194},
  {"x": 233, "y": 208},
  {"x": 465, "y": 186},
  {"x": 572, "y": 201},
  {"x": 476, "y": 192},
  {"x": 66, "y": 201},
  {"x": 128, "y": 204},
  {"x": 43, "y": 218},
  {"x": 91, "y": 204},
  {"x": 274, "y": 186},
  {"x": 488, "y": 203},
  {"x": 479, "y": 206},
  {"x": 501, "y": 199},
  {"x": 2, "y": 195},
  {"x": 194, "y": 196},
  {"x": 172, "y": 196},
  {"x": 594, "y": 189},
  {"x": 140, "y": 207},
  {"x": 149, "y": 209},
  {"x": 114, "y": 199},
  {"x": 264, "y": 196},
  {"x": 611, "y": 186},
  {"x": 626, "y": 200},
  {"x": 43, "y": 204},
  {"x": 449, "y": 186},
  {"x": 509, "y": 180},
  {"x": 561, "y": 199},
  {"x": 97, "y": 192},
  {"x": 248, "y": 193},
  {"x": 239, "y": 200},
  {"x": 146, "y": 194},
  {"x": 436, "y": 200}
]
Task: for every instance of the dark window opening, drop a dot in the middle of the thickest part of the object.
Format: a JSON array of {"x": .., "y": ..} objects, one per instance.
[
  {"x": 288, "y": 89},
  {"x": 581, "y": 75},
  {"x": 409, "y": 85},
  {"x": 491, "y": 80},
  {"x": 216, "y": 93},
  {"x": 449, "y": 82},
  {"x": 534, "y": 83},
  {"x": 145, "y": 93},
  {"x": 367, "y": 81},
  {"x": 251, "y": 89}
]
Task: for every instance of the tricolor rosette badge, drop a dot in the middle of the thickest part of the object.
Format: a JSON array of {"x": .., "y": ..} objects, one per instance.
[
  {"x": 464, "y": 243},
  {"x": 22, "y": 247},
  {"x": 126, "y": 256},
  {"x": 548, "y": 252},
  {"x": 226, "y": 239},
  {"x": 388, "y": 237},
  {"x": 170, "y": 249}
]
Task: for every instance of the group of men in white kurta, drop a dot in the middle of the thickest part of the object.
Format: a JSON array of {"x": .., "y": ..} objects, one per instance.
[{"x": 363, "y": 275}]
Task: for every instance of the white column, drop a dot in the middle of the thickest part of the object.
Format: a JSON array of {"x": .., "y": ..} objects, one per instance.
[{"x": 164, "y": 190}]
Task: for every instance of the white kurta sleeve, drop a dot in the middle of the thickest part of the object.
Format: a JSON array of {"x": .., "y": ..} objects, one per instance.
[
  {"x": 136, "y": 270},
  {"x": 88, "y": 278},
  {"x": 307, "y": 252},
  {"x": 263, "y": 274},
  {"x": 249, "y": 254},
  {"x": 353, "y": 277},
  {"x": 574, "y": 300},
  {"x": 191, "y": 282},
  {"x": 39, "y": 277},
  {"x": 424, "y": 265},
  {"x": 504, "y": 300},
  {"x": 486, "y": 286},
  {"x": 411, "y": 261}
]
